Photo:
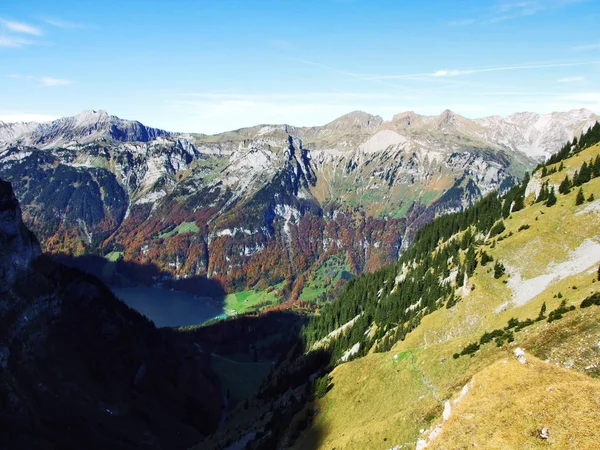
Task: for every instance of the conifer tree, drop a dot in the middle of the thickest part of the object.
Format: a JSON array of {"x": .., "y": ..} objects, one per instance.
[
  {"x": 565, "y": 186},
  {"x": 497, "y": 229},
  {"x": 585, "y": 173},
  {"x": 499, "y": 270},
  {"x": 466, "y": 240},
  {"x": 580, "y": 197},
  {"x": 485, "y": 258},
  {"x": 551, "y": 198}
]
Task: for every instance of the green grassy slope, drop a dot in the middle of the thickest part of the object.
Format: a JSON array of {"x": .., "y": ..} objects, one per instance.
[{"x": 249, "y": 300}]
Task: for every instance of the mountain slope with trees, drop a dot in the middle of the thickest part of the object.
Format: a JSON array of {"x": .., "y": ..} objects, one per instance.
[{"x": 530, "y": 293}]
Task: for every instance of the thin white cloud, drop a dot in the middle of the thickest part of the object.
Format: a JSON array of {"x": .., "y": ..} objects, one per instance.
[
  {"x": 46, "y": 81},
  {"x": 453, "y": 73},
  {"x": 457, "y": 72},
  {"x": 13, "y": 41},
  {"x": 59, "y": 23},
  {"x": 449, "y": 73},
  {"x": 20, "y": 27},
  {"x": 50, "y": 81},
  {"x": 14, "y": 116},
  {"x": 571, "y": 79}
]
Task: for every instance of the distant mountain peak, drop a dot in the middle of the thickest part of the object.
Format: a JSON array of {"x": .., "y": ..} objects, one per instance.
[
  {"x": 355, "y": 120},
  {"x": 447, "y": 117},
  {"x": 406, "y": 118},
  {"x": 85, "y": 127},
  {"x": 92, "y": 114}
]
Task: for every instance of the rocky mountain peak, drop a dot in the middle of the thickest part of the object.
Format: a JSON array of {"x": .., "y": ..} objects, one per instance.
[
  {"x": 447, "y": 115},
  {"x": 85, "y": 127},
  {"x": 91, "y": 116},
  {"x": 407, "y": 118},
  {"x": 448, "y": 118},
  {"x": 355, "y": 120}
]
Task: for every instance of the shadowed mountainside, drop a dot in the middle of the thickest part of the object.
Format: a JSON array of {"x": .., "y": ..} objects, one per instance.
[{"x": 79, "y": 369}]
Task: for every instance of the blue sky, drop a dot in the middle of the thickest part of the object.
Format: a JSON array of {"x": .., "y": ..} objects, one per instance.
[{"x": 214, "y": 65}]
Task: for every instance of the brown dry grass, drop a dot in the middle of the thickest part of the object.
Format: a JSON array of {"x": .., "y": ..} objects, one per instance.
[{"x": 509, "y": 403}]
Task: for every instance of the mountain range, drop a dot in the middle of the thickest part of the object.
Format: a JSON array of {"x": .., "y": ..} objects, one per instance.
[{"x": 268, "y": 205}]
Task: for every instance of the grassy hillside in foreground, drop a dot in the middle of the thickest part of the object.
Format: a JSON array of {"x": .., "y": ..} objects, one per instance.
[{"x": 390, "y": 399}]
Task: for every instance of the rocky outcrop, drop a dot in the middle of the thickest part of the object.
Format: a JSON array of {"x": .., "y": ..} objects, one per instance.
[{"x": 18, "y": 246}]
